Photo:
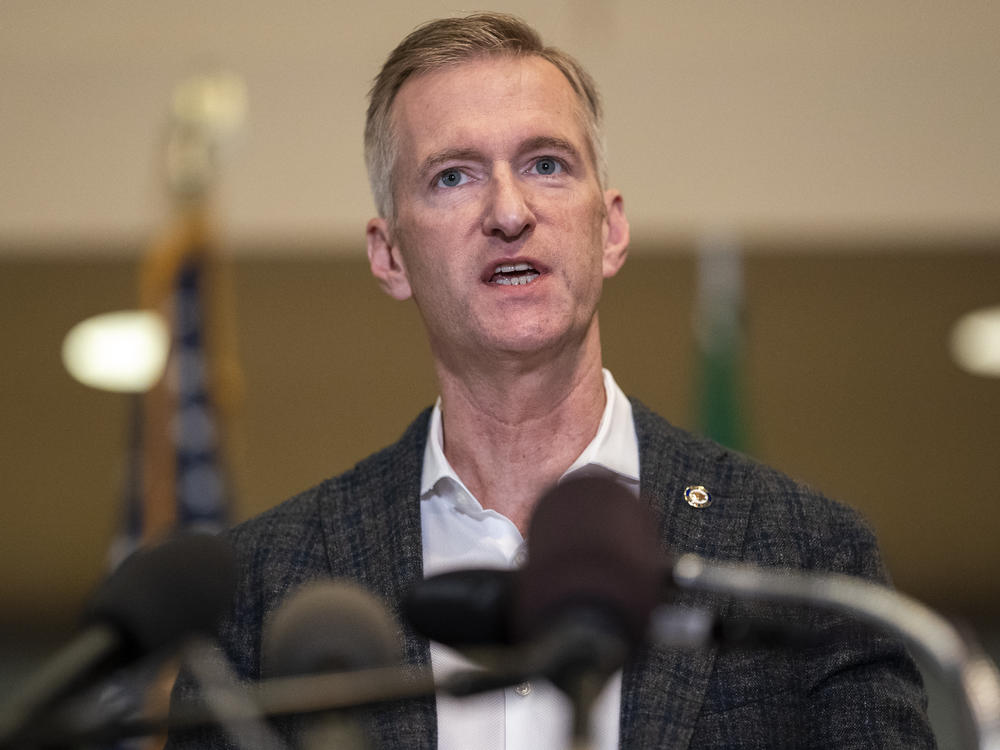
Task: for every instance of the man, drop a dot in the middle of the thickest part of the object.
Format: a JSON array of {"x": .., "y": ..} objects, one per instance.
[{"x": 485, "y": 154}]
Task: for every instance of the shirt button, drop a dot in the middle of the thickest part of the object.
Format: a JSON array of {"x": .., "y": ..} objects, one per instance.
[{"x": 523, "y": 689}]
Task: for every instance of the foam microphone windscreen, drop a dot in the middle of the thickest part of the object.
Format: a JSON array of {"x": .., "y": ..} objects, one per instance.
[
  {"x": 329, "y": 626},
  {"x": 463, "y": 607},
  {"x": 591, "y": 545},
  {"x": 162, "y": 594}
]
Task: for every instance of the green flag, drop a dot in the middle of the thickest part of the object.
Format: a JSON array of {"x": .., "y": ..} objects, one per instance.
[{"x": 719, "y": 338}]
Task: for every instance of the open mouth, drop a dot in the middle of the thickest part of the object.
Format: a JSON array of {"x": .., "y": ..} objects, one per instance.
[{"x": 514, "y": 274}]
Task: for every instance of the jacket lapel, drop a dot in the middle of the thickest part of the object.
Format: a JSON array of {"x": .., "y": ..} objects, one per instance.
[{"x": 663, "y": 689}]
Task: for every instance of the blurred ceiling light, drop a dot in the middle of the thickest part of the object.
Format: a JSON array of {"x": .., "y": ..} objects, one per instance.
[
  {"x": 123, "y": 351},
  {"x": 975, "y": 342},
  {"x": 207, "y": 113},
  {"x": 216, "y": 100}
]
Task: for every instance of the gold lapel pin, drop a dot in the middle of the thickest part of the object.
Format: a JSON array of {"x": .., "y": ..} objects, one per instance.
[{"x": 697, "y": 496}]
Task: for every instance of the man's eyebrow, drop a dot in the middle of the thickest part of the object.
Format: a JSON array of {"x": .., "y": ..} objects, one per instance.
[
  {"x": 438, "y": 158},
  {"x": 548, "y": 142}
]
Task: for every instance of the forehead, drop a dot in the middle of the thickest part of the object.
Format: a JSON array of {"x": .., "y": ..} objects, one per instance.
[{"x": 486, "y": 102}]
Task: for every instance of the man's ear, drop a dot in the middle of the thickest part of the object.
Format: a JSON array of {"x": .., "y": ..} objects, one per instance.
[
  {"x": 616, "y": 233},
  {"x": 385, "y": 260}
]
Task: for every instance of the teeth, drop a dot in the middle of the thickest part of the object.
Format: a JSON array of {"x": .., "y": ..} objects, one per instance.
[
  {"x": 514, "y": 274},
  {"x": 515, "y": 280},
  {"x": 513, "y": 268}
]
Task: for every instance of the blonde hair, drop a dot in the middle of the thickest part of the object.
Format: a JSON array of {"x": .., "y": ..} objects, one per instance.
[{"x": 450, "y": 41}]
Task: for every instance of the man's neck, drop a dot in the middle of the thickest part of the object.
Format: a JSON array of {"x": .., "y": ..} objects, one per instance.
[{"x": 512, "y": 432}]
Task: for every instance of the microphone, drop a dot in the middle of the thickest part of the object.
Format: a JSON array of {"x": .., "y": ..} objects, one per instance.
[
  {"x": 471, "y": 607},
  {"x": 584, "y": 598},
  {"x": 463, "y": 607},
  {"x": 329, "y": 627},
  {"x": 330, "y": 646},
  {"x": 592, "y": 547},
  {"x": 153, "y": 600}
]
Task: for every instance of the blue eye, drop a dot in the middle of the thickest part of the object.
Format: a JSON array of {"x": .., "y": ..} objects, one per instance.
[
  {"x": 451, "y": 178},
  {"x": 547, "y": 166}
]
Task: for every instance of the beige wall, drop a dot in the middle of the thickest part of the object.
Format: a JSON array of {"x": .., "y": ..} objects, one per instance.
[
  {"x": 770, "y": 116},
  {"x": 848, "y": 379}
]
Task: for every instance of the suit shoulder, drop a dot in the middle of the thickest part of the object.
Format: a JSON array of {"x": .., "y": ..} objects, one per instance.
[
  {"x": 734, "y": 473},
  {"x": 298, "y": 515},
  {"x": 320, "y": 532},
  {"x": 789, "y": 522}
]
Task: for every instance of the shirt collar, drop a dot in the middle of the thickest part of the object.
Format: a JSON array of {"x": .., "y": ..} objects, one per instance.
[{"x": 614, "y": 449}]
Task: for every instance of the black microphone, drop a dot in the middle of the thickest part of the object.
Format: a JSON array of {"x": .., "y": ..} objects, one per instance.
[
  {"x": 471, "y": 607},
  {"x": 329, "y": 627},
  {"x": 463, "y": 607},
  {"x": 592, "y": 579},
  {"x": 154, "y": 599}
]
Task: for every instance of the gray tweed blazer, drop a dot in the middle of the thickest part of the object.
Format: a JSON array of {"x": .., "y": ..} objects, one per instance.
[{"x": 860, "y": 691}]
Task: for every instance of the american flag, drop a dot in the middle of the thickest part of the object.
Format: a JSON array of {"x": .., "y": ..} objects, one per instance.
[{"x": 176, "y": 481}]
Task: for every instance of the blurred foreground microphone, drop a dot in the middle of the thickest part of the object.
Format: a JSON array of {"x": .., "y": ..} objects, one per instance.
[
  {"x": 463, "y": 607},
  {"x": 471, "y": 607},
  {"x": 593, "y": 555},
  {"x": 154, "y": 599},
  {"x": 592, "y": 579},
  {"x": 329, "y": 626}
]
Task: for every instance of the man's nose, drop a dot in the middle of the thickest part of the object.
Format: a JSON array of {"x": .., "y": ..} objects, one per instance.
[{"x": 508, "y": 214}]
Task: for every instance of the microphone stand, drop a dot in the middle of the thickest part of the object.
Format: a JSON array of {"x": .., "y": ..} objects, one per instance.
[
  {"x": 240, "y": 707},
  {"x": 960, "y": 663}
]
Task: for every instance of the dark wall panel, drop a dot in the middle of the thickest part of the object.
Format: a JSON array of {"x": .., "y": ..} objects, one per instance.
[{"x": 848, "y": 381}]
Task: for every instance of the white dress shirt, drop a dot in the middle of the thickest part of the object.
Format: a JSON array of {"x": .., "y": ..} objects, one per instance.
[{"x": 458, "y": 533}]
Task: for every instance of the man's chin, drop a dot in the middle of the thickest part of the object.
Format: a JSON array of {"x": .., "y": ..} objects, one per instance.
[{"x": 527, "y": 345}]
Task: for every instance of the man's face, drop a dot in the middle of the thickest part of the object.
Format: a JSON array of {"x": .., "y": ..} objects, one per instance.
[{"x": 501, "y": 234}]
